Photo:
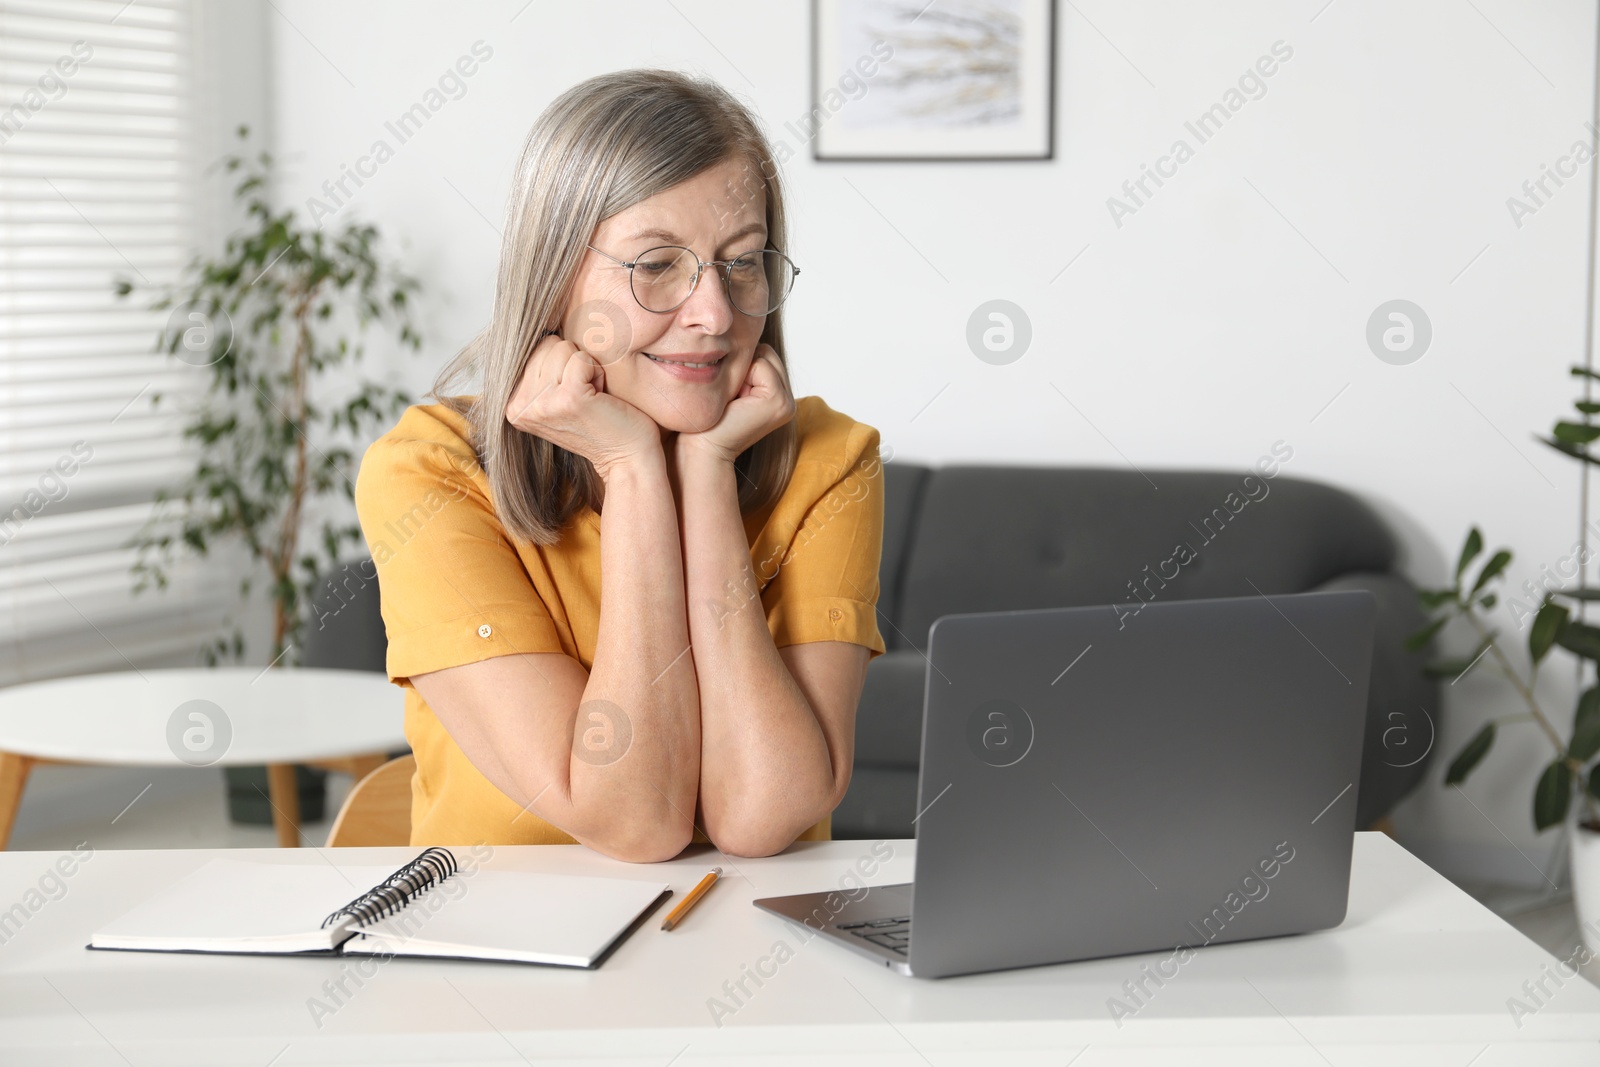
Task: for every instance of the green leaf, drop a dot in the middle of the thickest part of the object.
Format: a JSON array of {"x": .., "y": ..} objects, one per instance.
[
  {"x": 1594, "y": 781},
  {"x": 1546, "y": 625},
  {"x": 1435, "y": 598},
  {"x": 1469, "y": 552},
  {"x": 1580, "y": 638},
  {"x": 1575, "y": 451},
  {"x": 1588, "y": 407},
  {"x": 1492, "y": 569},
  {"x": 1586, "y": 726},
  {"x": 1488, "y": 601},
  {"x": 1577, "y": 594},
  {"x": 1552, "y": 795},
  {"x": 1470, "y": 756},
  {"x": 1585, "y": 372},
  {"x": 1574, "y": 433},
  {"x": 1419, "y": 640}
]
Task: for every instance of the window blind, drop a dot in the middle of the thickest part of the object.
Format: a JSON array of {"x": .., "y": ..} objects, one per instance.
[{"x": 97, "y": 180}]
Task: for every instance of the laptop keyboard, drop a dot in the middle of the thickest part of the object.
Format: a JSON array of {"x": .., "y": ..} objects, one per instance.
[{"x": 892, "y": 934}]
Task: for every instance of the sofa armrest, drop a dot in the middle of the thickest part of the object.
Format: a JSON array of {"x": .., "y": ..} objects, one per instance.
[{"x": 1402, "y": 703}]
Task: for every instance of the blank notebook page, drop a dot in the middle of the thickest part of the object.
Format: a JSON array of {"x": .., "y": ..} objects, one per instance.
[
  {"x": 239, "y": 906},
  {"x": 513, "y": 915}
]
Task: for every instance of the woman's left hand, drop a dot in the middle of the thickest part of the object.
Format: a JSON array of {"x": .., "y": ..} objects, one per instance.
[{"x": 763, "y": 404}]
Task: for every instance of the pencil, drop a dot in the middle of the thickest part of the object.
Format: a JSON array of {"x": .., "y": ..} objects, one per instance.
[{"x": 689, "y": 901}]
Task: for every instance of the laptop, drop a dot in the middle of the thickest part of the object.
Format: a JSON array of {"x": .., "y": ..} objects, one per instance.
[{"x": 1096, "y": 783}]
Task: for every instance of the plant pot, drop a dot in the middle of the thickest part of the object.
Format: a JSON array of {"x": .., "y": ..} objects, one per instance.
[
  {"x": 1584, "y": 843},
  {"x": 247, "y": 794}
]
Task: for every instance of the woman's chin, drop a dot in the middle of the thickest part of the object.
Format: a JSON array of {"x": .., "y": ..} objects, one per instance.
[{"x": 686, "y": 415}]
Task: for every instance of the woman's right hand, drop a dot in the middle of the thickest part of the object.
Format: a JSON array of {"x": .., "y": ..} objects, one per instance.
[{"x": 561, "y": 397}]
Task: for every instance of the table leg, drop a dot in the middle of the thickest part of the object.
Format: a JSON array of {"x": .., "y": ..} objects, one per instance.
[
  {"x": 14, "y": 771},
  {"x": 285, "y": 796}
]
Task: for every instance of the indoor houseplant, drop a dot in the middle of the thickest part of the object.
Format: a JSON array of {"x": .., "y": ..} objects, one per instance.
[
  {"x": 265, "y": 320},
  {"x": 1568, "y": 787}
]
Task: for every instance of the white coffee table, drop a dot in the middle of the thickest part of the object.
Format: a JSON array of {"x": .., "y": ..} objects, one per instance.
[{"x": 229, "y": 716}]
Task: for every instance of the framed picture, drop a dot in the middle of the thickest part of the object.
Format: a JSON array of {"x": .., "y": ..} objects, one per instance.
[{"x": 911, "y": 80}]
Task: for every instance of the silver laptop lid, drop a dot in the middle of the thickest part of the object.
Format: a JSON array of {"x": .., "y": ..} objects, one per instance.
[{"x": 1094, "y": 785}]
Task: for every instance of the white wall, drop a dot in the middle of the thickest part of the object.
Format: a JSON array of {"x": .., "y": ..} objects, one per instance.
[{"x": 1224, "y": 315}]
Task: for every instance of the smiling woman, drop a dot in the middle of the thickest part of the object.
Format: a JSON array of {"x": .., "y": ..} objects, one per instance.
[{"x": 634, "y": 363}]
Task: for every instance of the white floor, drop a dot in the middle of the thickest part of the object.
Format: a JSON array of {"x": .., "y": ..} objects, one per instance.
[
  {"x": 144, "y": 807},
  {"x": 111, "y": 808},
  {"x": 1552, "y": 925}
]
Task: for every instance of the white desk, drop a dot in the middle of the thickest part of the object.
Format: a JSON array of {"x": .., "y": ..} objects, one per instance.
[
  {"x": 1419, "y": 973},
  {"x": 228, "y": 716}
]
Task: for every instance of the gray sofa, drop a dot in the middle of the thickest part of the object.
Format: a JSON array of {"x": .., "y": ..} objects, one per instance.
[
  {"x": 995, "y": 538},
  {"x": 991, "y": 538}
]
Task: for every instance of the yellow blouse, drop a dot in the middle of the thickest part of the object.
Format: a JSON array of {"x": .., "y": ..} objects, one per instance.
[{"x": 456, "y": 588}]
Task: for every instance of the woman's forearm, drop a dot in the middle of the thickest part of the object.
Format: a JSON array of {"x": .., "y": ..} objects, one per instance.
[
  {"x": 765, "y": 770},
  {"x": 636, "y": 745}
]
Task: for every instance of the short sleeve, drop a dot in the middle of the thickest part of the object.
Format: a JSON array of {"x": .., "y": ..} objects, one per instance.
[
  {"x": 826, "y": 584},
  {"x": 452, "y": 586}
]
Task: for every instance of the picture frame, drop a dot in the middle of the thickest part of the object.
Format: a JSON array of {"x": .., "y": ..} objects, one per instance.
[{"x": 905, "y": 81}]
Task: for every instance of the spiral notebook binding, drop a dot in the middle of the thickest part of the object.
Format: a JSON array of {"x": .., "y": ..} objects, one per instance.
[{"x": 433, "y": 866}]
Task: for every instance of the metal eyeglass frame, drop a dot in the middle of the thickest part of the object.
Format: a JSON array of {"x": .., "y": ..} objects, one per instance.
[{"x": 700, "y": 265}]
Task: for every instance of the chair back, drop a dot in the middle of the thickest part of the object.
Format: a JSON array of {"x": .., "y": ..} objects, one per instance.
[{"x": 378, "y": 809}]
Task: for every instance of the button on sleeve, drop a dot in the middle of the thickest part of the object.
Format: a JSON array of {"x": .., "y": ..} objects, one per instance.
[{"x": 453, "y": 589}]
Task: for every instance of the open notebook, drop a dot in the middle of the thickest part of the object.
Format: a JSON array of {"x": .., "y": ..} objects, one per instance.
[{"x": 428, "y": 907}]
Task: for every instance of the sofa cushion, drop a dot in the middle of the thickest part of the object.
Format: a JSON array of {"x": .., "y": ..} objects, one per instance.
[
  {"x": 1002, "y": 538},
  {"x": 889, "y": 718},
  {"x": 344, "y": 629},
  {"x": 880, "y": 804},
  {"x": 902, "y": 496}
]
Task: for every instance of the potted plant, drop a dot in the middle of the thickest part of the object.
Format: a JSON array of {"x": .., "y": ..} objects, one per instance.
[
  {"x": 282, "y": 305},
  {"x": 1568, "y": 787}
]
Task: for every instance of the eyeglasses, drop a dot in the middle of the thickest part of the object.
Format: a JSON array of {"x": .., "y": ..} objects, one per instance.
[{"x": 663, "y": 278}]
